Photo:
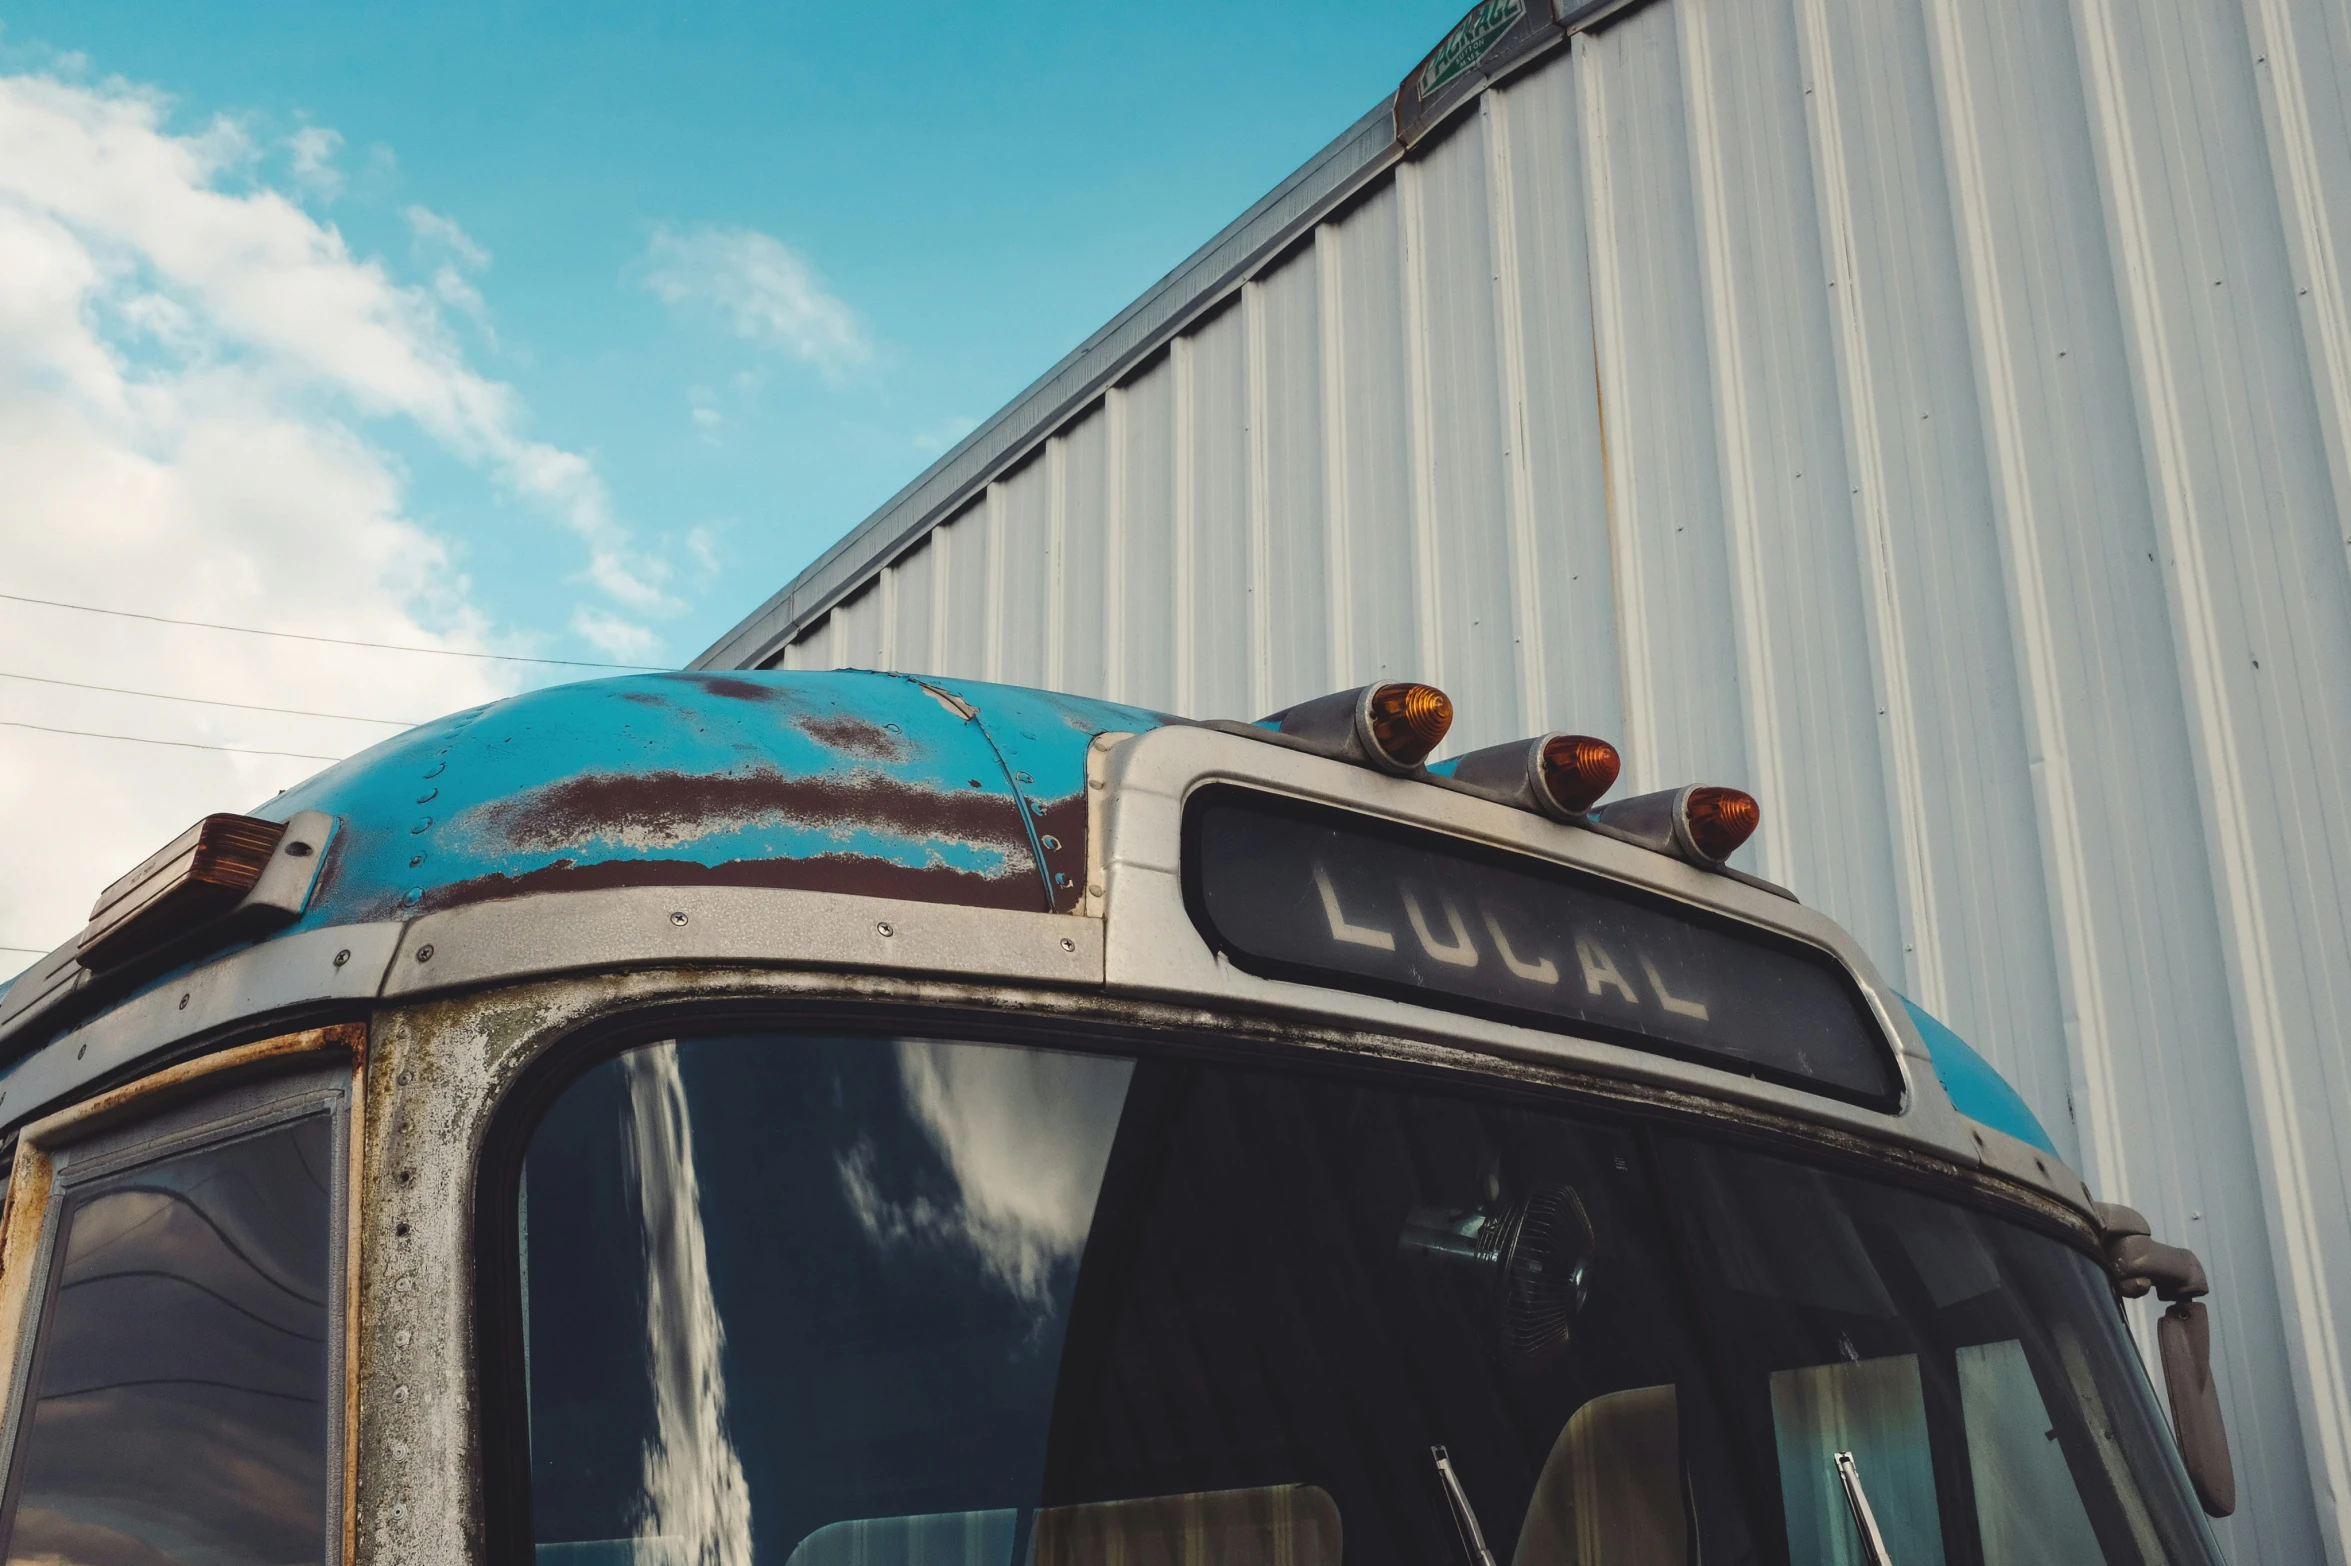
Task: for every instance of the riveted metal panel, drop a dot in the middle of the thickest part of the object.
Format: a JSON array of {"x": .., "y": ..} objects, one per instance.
[
  {"x": 1148, "y": 498},
  {"x": 1980, "y": 939},
  {"x": 964, "y": 549},
  {"x": 1931, "y": 414},
  {"x": 1576, "y": 683},
  {"x": 1021, "y": 578},
  {"x": 1801, "y": 618},
  {"x": 914, "y": 623},
  {"x": 857, "y": 627},
  {"x": 1293, "y": 457},
  {"x": 1373, "y": 471},
  {"x": 1219, "y": 600},
  {"x": 1681, "y": 665},
  {"x": 1081, "y": 582},
  {"x": 1468, "y": 490}
]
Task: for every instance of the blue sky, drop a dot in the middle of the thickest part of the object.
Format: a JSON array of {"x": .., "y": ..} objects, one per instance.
[
  {"x": 556, "y": 331},
  {"x": 979, "y": 187}
]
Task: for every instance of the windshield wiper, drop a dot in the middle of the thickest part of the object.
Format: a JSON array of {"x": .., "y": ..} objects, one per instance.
[
  {"x": 1465, "y": 1520},
  {"x": 1865, "y": 1523}
]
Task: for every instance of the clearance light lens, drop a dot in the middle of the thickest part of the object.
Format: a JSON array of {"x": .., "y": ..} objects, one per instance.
[
  {"x": 1720, "y": 819},
  {"x": 1408, "y": 721},
  {"x": 1578, "y": 769}
]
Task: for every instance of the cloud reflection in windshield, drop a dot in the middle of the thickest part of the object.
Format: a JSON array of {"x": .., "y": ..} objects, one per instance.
[
  {"x": 1026, "y": 1135},
  {"x": 697, "y": 1509}
]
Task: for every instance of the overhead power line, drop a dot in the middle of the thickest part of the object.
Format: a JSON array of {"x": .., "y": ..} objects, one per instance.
[
  {"x": 210, "y": 701},
  {"x": 140, "y": 739},
  {"x": 30, "y": 951},
  {"x": 333, "y": 641}
]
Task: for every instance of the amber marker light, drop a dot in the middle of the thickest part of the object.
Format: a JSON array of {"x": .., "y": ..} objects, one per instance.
[
  {"x": 1578, "y": 769},
  {"x": 1406, "y": 721},
  {"x": 1720, "y": 819}
]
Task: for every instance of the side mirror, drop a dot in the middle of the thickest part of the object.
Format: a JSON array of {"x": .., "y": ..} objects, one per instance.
[{"x": 2183, "y": 1336}]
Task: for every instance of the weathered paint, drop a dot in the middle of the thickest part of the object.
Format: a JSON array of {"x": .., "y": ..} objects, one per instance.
[
  {"x": 843, "y": 782},
  {"x": 1977, "y": 1091}
]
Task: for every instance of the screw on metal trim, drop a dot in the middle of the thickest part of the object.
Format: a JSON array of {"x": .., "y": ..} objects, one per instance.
[
  {"x": 79, "y": 1053},
  {"x": 677, "y": 918},
  {"x": 297, "y": 850},
  {"x": 183, "y": 1003},
  {"x": 884, "y": 928},
  {"x": 1022, "y": 777},
  {"x": 424, "y": 953},
  {"x": 1068, "y": 945},
  {"x": 1095, "y": 890},
  {"x": 1050, "y": 842},
  {"x": 342, "y": 956}
]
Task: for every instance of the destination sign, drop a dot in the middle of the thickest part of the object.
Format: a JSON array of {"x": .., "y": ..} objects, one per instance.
[{"x": 1334, "y": 898}]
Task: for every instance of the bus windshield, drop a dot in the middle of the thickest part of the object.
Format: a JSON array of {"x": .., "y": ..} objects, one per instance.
[{"x": 815, "y": 1301}]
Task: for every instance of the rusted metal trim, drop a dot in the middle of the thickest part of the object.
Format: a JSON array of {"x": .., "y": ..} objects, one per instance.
[
  {"x": 20, "y": 1246},
  {"x": 180, "y": 1081},
  {"x": 354, "y": 1036}
]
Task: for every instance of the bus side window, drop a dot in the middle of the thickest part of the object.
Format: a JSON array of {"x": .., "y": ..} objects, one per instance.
[{"x": 177, "y": 1300}]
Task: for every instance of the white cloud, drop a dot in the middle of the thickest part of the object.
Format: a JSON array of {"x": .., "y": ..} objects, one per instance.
[
  {"x": 622, "y": 640},
  {"x": 312, "y": 150},
  {"x": 766, "y": 292},
  {"x": 437, "y": 233},
  {"x": 453, "y": 254},
  {"x": 188, "y": 366}
]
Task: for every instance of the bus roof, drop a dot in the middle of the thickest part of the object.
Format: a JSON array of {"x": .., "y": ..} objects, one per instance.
[
  {"x": 845, "y": 781},
  {"x": 945, "y": 791}
]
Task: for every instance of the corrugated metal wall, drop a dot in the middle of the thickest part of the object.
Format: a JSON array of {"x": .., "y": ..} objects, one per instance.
[{"x": 1929, "y": 414}]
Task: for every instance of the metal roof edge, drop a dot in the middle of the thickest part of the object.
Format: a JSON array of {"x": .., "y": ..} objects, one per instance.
[{"x": 1325, "y": 181}]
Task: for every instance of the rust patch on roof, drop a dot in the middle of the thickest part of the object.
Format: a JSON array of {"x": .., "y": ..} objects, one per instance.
[
  {"x": 740, "y": 690},
  {"x": 854, "y": 736},
  {"x": 665, "y": 809},
  {"x": 854, "y": 874},
  {"x": 1061, "y": 832}
]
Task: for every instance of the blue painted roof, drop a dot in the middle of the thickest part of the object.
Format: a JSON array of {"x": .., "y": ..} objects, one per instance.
[
  {"x": 1975, "y": 1089},
  {"x": 841, "y": 781},
  {"x": 930, "y": 790}
]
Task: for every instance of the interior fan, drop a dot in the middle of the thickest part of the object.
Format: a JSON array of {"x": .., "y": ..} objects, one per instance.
[{"x": 1536, "y": 1253}]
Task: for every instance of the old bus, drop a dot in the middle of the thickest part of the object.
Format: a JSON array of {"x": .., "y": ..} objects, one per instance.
[{"x": 848, "y": 1120}]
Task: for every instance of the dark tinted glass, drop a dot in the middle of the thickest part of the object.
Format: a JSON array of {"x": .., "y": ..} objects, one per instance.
[
  {"x": 1978, "y": 1372},
  {"x": 868, "y": 1302},
  {"x": 180, "y": 1402},
  {"x": 1320, "y": 895},
  {"x": 810, "y": 1302}
]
